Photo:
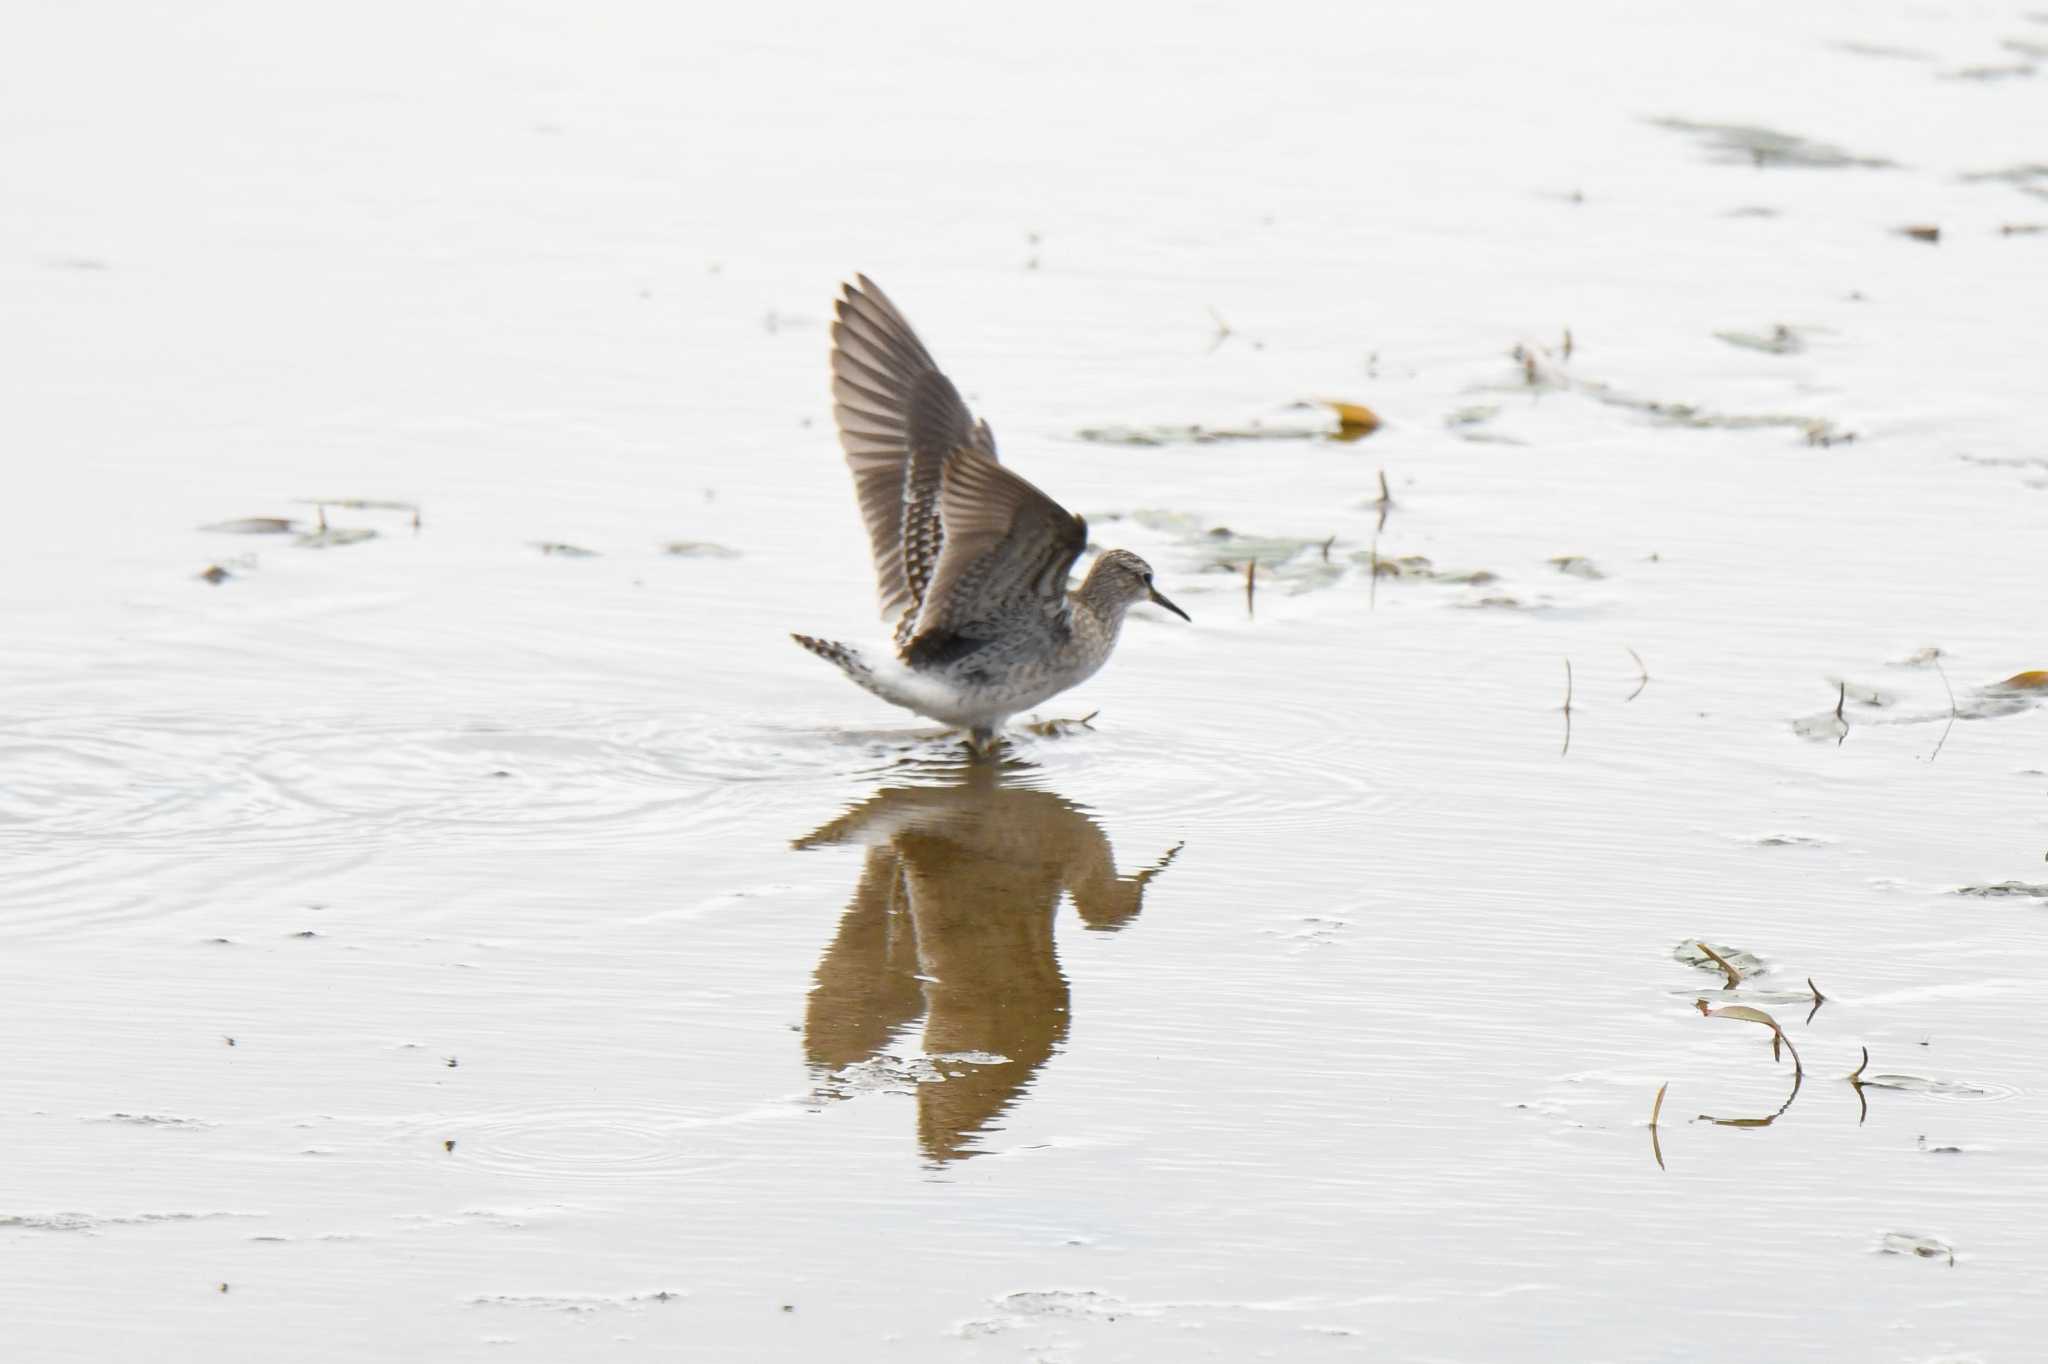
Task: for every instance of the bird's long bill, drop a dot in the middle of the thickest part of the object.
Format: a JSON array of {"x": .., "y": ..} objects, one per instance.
[{"x": 1159, "y": 599}]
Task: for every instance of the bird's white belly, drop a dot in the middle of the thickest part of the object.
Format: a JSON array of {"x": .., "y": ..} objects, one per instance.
[{"x": 945, "y": 698}]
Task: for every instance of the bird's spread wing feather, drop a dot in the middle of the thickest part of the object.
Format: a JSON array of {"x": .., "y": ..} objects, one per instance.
[
  {"x": 1004, "y": 547},
  {"x": 900, "y": 421}
]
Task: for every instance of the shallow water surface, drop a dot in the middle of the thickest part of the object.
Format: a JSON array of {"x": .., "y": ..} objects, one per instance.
[{"x": 473, "y": 930}]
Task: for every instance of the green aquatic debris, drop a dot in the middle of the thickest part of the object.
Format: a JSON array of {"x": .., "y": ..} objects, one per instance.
[
  {"x": 1576, "y": 565},
  {"x": 1469, "y": 424},
  {"x": 1920, "y": 1084},
  {"x": 1705, "y": 956},
  {"x": 1542, "y": 368},
  {"x": 565, "y": 551},
  {"x": 1418, "y": 566},
  {"x": 699, "y": 549},
  {"x": 1284, "y": 561},
  {"x": 1991, "y": 71},
  {"x": 1925, "y": 1247},
  {"x": 2028, "y": 177},
  {"x": 360, "y": 504},
  {"x": 1779, "y": 340},
  {"x": 2001, "y": 890},
  {"x": 1355, "y": 421},
  {"x": 253, "y": 525},
  {"x": 1727, "y": 967},
  {"x": 1751, "y": 144},
  {"x": 1862, "y": 49},
  {"x": 330, "y": 537},
  {"x": 1171, "y": 434}
]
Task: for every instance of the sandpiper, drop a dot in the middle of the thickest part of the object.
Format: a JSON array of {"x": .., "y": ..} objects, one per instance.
[{"x": 971, "y": 562}]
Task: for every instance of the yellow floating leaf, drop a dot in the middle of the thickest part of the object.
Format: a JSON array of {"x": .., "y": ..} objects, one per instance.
[
  {"x": 1353, "y": 419},
  {"x": 2035, "y": 679}
]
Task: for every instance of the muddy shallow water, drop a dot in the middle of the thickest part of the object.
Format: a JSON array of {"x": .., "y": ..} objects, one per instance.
[{"x": 491, "y": 938}]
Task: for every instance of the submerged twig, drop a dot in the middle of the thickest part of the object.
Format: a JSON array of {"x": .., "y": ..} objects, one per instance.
[
  {"x": 1657, "y": 1147},
  {"x": 1249, "y": 566},
  {"x": 1642, "y": 668},
  {"x": 1567, "y": 709},
  {"x": 1855, "y": 1078},
  {"x": 1818, "y": 999},
  {"x": 1385, "y": 502},
  {"x": 1841, "y": 699},
  {"x": 1951, "y": 711},
  {"x": 1326, "y": 548}
]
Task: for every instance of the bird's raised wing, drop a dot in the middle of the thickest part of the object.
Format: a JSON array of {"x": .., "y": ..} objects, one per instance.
[
  {"x": 1004, "y": 547},
  {"x": 900, "y": 419}
]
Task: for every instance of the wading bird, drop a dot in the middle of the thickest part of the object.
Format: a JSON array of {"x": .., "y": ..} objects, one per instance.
[{"x": 971, "y": 561}]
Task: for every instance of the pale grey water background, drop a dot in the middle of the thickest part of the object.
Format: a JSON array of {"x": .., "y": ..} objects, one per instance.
[{"x": 1368, "y": 1073}]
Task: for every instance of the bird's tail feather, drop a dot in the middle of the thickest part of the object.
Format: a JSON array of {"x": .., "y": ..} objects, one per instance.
[{"x": 842, "y": 656}]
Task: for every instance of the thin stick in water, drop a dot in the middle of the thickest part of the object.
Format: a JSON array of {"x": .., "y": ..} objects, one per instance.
[
  {"x": 1727, "y": 968},
  {"x": 1567, "y": 709},
  {"x": 1642, "y": 668},
  {"x": 1951, "y": 711},
  {"x": 1657, "y": 1147}
]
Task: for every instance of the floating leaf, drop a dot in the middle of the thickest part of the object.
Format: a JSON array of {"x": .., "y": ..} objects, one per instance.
[
  {"x": 556, "y": 547},
  {"x": 1353, "y": 419},
  {"x": 1743, "y": 1013},
  {"x": 2034, "y": 679},
  {"x": 698, "y": 549},
  {"x": 215, "y": 574}
]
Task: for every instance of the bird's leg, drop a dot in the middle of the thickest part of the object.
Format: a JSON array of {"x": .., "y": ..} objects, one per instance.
[{"x": 981, "y": 741}]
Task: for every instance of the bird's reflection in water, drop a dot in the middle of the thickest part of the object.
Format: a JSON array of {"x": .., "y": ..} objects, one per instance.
[{"x": 953, "y": 922}]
